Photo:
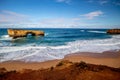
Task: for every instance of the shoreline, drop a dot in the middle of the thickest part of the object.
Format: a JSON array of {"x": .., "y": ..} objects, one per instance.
[{"x": 107, "y": 58}]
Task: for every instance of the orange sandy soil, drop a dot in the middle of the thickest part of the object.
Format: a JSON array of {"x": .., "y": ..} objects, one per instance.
[{"x": 62, "y": 69}]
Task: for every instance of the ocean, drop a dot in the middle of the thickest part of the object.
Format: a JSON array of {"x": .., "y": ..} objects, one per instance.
[{"x": 56, "y": 43}]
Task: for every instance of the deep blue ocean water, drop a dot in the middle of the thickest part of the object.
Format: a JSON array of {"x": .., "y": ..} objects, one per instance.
[
  {"x": 54, "y": 37},
  {"x": 56, "y": 44}
]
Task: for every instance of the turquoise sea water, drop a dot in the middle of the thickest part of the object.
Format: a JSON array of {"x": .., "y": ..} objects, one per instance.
[{"x": 56, "y": 44}]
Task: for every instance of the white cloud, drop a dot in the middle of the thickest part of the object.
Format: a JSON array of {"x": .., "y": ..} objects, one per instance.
[
  {"x": 102, "y": 2},
  {"x": 90, "y": 1},
  {"x": 12, "y": 17},
  {"x": 59, "y": 22},
  {"x": 93, "y": 14},
  {"x": 117, "y": 2},
  {"x": 75, "y": 22},
  {"x": 65, "y": 1}
]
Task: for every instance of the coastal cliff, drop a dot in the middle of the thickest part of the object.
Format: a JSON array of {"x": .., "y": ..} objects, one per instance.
[
  {"x": 15, "y": 33},
  {"x": 64, "y": 70},
  {"x": 113, "y": 31}
]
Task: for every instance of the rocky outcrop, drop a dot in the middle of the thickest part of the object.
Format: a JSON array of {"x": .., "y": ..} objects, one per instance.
[
  {"x": 113, "y": 31},
  {"x": 15, "y": 33}
]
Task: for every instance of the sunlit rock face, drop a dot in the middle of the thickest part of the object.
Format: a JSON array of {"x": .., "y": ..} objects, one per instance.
[
  {"x": 16, "y": 33},
  {"x": 113, "y": 31}
]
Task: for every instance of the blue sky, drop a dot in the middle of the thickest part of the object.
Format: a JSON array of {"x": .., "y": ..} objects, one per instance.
[{"x": 60, "y": 13}]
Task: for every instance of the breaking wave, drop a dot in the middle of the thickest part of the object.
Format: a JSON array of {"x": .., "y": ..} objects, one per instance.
[
  {"x": 97, "y": 31},
  {"x": 43, "y": 53},
  {"x": 5, "y": 37}
]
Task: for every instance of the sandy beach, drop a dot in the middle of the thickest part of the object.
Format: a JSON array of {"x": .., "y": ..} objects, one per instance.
[{"x": 108, "y": 58}]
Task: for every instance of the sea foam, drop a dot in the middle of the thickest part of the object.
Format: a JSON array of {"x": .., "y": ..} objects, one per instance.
[
  {"x": 97, "y": 31},
  {"x": 5, "y": 37},
  {"x": 43, "y": 53}
]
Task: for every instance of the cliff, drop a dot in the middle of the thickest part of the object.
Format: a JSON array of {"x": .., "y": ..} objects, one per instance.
[
  {"x": 113, "y": 31},
  {"x": 64, "y": 70},
  {"x": 15, "y": 33}
]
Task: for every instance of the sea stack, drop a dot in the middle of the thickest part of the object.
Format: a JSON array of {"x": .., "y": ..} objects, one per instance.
[
  {"x": 16, "y": 33},
  {"x": 113, "y": 31}
]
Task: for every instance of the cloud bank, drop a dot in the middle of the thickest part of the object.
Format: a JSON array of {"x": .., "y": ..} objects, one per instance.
[
  {"x": 93, "y": 14},
  {"x": 64, "y": 1},
  {"x": 9, "y": 18},
  {"x": 12, "y": 17},
  {"x": 104, "y": 2}
]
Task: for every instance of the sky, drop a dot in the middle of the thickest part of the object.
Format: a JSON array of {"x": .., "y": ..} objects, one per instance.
[{"x": 60, "y": 13}]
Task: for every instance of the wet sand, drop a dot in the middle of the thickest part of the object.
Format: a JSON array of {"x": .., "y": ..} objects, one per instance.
[{"x": 108, "y": 58}]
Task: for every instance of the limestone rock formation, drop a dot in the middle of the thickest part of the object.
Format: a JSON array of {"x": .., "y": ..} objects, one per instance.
[
  {"x": 113, "y": 31},
  {"x": 15, "y": 33}
]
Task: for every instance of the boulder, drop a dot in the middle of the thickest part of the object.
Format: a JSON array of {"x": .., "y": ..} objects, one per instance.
[
  {"x": 15, "y": 33},
  {"x": 113, "y": 31}
]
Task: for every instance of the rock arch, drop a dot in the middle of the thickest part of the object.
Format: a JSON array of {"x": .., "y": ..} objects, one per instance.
[
  {"x": 15, "y": 33},
  {"x": 32, "y": 34}
]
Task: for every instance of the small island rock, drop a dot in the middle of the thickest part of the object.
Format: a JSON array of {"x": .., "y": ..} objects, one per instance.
[{"x": 113, "y": 31}]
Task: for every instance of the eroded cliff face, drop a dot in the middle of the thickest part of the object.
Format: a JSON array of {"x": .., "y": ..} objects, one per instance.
[
  {"x": 15, "y": 33},
  {"x": 113, "y": 31}
]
